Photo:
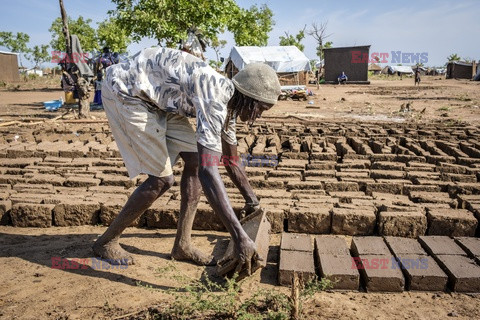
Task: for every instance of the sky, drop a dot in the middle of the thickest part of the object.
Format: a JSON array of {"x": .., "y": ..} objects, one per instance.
[{"x": 436, "y": 27}]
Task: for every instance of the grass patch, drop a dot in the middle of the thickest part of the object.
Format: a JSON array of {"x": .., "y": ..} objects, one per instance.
[{"x": 205, "y": 298}]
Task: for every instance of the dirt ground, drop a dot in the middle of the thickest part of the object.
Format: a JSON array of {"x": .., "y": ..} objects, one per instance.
[{"x": 31, "y": 289}]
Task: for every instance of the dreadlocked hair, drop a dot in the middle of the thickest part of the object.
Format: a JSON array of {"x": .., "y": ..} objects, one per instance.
[{"x": 237, "y": 104}]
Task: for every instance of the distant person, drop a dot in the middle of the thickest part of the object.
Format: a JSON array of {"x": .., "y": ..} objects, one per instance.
[
  {"x": 98, "y": 89},
  {"x": 68, "y": 86},
  {"x": 342, "y": 79},
  {"x": 417, "y": 76}
]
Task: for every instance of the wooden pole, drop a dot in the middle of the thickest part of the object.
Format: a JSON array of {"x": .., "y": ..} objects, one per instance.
[
  {"x": 81, "y": 84},
  {"x": 66, "y": 33}
]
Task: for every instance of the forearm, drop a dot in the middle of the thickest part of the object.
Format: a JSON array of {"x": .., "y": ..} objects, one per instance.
[
  {"x": 236, "y": 172},
  {"x": 216, "y": 194}
]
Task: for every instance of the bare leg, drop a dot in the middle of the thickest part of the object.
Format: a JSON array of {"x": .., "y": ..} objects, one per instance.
[
  {"x": 190, "y": 189},
  {"x": 107, "y": 246}
]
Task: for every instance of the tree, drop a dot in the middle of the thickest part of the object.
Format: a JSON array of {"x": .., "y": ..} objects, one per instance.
[
  {"x": 453, "y": 57},
  {"x": 251, "y": 27},
  {"x": 16, "y": 43},
  {"x": 111, "y": 34},
  {"x": 290, "y": 40},
  {"x": 80, "y": 27},
  {"x": 319, "y": 33},
  {"x": 326, "y": 45},
  {"x": 167, "y": 21},
  {"x": 216, "y": 46},
  {"x": 39, "y": 55}
]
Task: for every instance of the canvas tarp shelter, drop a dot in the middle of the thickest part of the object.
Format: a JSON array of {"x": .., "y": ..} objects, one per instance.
[
  {"x": 281, "y": 58},
  {"x": 397, "y": 70},
  {"x": 291, "y": 65},
  {"x": 401, "y": 69}
]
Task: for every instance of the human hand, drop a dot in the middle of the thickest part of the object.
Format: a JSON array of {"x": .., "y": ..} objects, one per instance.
[
  {"x": 242, "y": 260},
  {"x": 248, "y": 209}
]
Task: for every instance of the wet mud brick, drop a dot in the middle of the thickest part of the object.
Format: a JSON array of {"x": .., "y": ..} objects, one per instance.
[
  {"x": 471, "y": 246},
  {"x": 369, "y": 246},
  {"x": 300, "y": 262},
  {"x": 330, "y": 244},
  {"x": 404, "y": 246},
  {"x": 463, "y": 273},
  {"x": 335, "y": 262},
  {"x": 451, "y": 222},
  {"x": 379, "y": 275},
  {"x": 257, "y": 228},
  {"x": 296, "y": 242},
  {"x": 421, "y": 271},
  {"x": 440, "y": 245}
]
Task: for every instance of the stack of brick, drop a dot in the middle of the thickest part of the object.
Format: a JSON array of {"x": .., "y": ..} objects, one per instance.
[{"x": 463, "y": 273}]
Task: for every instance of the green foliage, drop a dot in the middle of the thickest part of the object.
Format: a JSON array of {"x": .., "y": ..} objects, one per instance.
[
  {"x": 205, "y": 299},
  {"x": 111, "y": 34},
  {"x": 216, "y": 46},
  {"x": 315, "y": 286},
  {"x": 32, "y": 76},
  {"x": 290, "y": 40},
  {"x": 320, "y": 48},
  {"x": 39, "y": 54},
  {"x": 15, "y": 42},
  {"x": 251, "y": 27},
  {"x": 167, "y": 21},
  {"x": 80, "y": 27},
  {"x": 453, "y": 57}
]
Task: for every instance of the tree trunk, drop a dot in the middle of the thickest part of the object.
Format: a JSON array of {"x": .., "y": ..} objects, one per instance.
[{"x": 66, "y": 33}]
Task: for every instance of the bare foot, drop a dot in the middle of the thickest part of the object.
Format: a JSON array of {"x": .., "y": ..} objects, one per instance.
[
  {"x": 113, "y": 253},
  {"x": 194, "y": 255}
]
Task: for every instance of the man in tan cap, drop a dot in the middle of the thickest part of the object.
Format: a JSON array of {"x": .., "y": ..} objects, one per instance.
[{"x": 147, "y": 101}]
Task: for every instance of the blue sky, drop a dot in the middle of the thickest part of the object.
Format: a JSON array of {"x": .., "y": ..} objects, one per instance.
[{"x": 437, "y": 27}]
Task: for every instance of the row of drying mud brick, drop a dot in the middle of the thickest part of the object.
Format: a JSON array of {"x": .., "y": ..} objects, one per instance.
[
  {"x": 392, "y": 264},
  {"x": 93, "y": 190},
  {"x": 322, "y": 175}
]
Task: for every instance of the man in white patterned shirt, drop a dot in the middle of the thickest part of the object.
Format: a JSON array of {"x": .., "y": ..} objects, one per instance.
[{"x": 147, "y": 101}]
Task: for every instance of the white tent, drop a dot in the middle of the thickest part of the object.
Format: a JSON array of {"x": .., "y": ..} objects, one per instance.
[
  {"x": 280, "y": 58},
  {"x": 401, "y": 69}
]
